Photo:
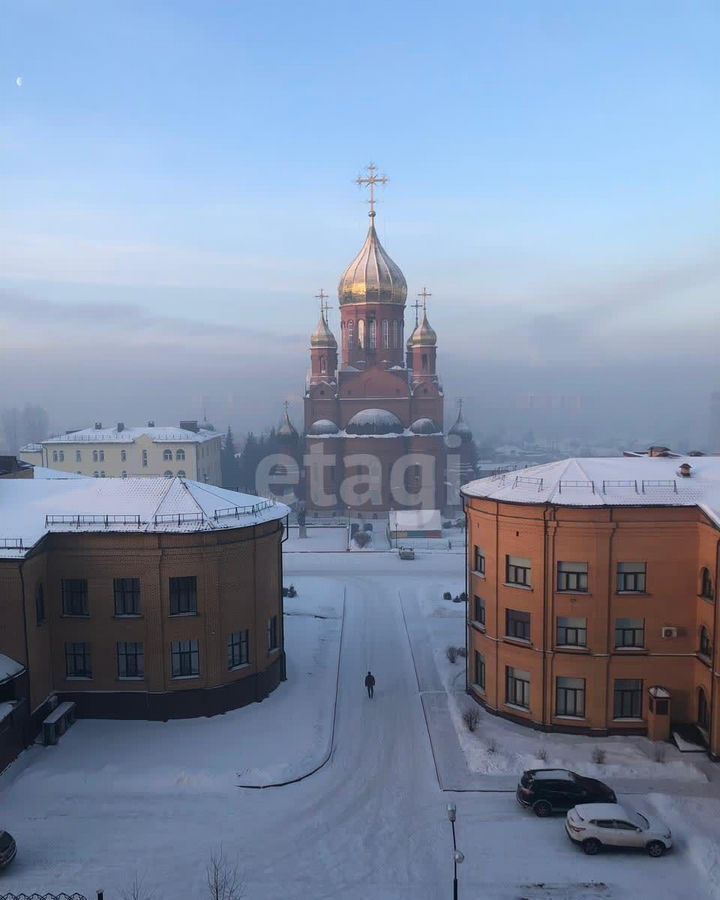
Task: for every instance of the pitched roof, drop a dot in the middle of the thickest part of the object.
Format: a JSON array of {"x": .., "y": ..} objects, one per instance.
[
  {"x": 159, "y": 435},
  {"x": 30, "y": 508},
  {"x": 609, "y": 481}
]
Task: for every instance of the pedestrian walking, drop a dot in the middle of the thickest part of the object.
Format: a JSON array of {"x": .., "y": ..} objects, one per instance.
[{"x": 370, "y": 684}]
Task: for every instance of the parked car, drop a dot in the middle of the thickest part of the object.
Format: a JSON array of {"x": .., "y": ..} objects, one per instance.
[
  {"x": 558, "y": 790},
  {"x": 601, "y": 825},
  {"x": 7, "y": 848}
]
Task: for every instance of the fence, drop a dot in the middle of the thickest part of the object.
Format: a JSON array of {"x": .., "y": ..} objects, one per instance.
[{"x": 60, "y": 896}]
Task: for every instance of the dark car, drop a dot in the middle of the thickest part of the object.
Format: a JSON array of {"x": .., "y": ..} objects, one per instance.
[
  {"x": 558, "y": 790},
  {"x": 7, "y": 849}
]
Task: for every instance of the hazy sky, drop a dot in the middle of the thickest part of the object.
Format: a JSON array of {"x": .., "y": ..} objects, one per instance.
[{"x": 176, "y": 185}]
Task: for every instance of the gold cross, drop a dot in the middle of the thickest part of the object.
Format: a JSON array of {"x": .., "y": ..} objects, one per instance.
[
  {"x": 371, "y": 180},
  {"x": 416, "y": 305},
  {"x": 424, "y": 293},
  {"x": 324, "y": 307}
]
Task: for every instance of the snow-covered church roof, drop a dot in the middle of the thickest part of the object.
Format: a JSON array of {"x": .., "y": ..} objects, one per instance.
[
  {"x": 374, "y": 421},
  {"x": 610, "y": 481},
  {"x": 30, "y": 508}
]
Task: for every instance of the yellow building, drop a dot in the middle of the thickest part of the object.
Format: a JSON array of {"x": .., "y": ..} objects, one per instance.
[{"x": 186, "y": 451}]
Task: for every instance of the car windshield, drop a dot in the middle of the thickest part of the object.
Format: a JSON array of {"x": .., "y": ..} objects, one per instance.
[{"x": 637, "y": 820}]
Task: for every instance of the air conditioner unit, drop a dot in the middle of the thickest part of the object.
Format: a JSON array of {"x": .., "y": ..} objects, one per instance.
[{"x": 669, "y": 631}]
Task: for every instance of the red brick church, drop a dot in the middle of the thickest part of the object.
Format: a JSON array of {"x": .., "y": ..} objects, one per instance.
[{"x": 374, "y": 415}]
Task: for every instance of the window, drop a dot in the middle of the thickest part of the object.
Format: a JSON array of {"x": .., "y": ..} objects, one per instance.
[
  {"x": 631, "y": 578},
  {"x": 124, "y": 474},
  {"x": 95, "y": 456},
  {"x": 361, "y": 333},
  {"x": 78, "y": 456},
  {"x": 372, "y": 334},
  {"x": 571, "y": 632},
  {"x": 351, "y": 334},
  {"x": 55, "y": 456},
  {"x": 706, "y": 585},
  {"x": 183, "y": 596},
  {"x": 480, "y": 670},
  {"x": 127, "y": 596},
  {"x": 181, "y": 473},
  {"x": 96, "y": 474},
  {"x": 629, "y": 632},
  {"x": 386, "y": 334},
  {"x": 39, "y": 603},
  {"x": 705, "y": 648},
  {"x": 123, "y": 455},
  {"x": 397, "y": 340},
  {"x": 570, "y": 697},
  {"x": 479, "y": 611},
  {"x": 144, "y": 459},
  {"x": 272, "y": 634},
  {"x": 180, "y": 454},
  {"x": 517, "y": 625},
  {"x": 78, "y": 663},
  {"x": 425, "y": 365},
  {"x": 102, "y": 455},
  {"x": 185, "y": 659},
  {"x": 130, "y": 660},
  {"x": 479, "y": 562},
  {"x": 238, "y": 649},
  {"x": 167, "y": 454},
  {"x": 168, "y": 473},
  {"x": 102, "y": 474},
  {"x": 74, "y": 597},
  {"x": 517, "y": 687},
  {"x": 572, "y": 577},
  {"x": 518, "y": 571},
  {"x": 61, "y": 456},
  {"x": 628, "y": 698},
  {"x": 323, "y": 371}
]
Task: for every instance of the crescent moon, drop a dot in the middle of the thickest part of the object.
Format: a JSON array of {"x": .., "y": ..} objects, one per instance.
[{"x": 19, "y": 81}]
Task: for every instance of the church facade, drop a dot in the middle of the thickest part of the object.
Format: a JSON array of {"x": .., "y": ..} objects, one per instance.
[{"x": 374, "y": 404}]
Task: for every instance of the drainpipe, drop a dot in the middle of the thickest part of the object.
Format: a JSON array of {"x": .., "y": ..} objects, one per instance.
[
  {"x": 609, "y": 642},
  {"x": 546, "y": 580},
  {"x": 713, "y": 668}
]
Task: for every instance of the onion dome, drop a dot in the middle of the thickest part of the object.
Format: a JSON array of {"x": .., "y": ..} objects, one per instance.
[
  {"x": 322, "y": 336},
  {"x": 286, "y": 429},
  {"x": 461, "y": 427},
  {"x": 372, "y": 277},
  {"x": 374, "y": 421},
  {"x": 323, "y": 426},
  {"x": 423, "y": 336},
  {"x": 424, "y": 426}
]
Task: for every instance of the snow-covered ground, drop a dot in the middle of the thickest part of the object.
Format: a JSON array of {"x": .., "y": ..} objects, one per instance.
[
  {"x": 111, "y": 800},
  {"x": 320, "y": 538}
]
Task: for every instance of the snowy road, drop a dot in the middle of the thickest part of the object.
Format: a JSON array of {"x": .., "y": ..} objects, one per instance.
[{"x": 370, "y": 825}]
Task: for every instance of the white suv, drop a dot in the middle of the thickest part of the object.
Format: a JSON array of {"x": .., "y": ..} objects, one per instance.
[{"x": 595, "y": 825}]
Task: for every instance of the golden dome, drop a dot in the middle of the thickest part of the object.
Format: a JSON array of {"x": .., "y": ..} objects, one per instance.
[
  {"x": 423, "y": 336},
  {"x": 372, "y": 277},
  {"x": 322, "y": 336}
]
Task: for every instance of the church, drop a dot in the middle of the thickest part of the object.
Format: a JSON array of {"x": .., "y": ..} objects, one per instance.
[{"x": 374, "y": 404}]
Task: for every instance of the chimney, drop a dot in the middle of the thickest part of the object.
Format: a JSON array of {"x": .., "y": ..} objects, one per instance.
[
  {"x": 685, "y": 470},
  {"x": 121, "y": 426},
  {"x": 98, "y": 426},
  {"x": 190, "y": 425}
]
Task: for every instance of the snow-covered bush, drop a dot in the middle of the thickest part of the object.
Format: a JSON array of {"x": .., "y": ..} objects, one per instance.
[
  {"x": 451, "y": 653},
  {"x": 362, "y": 538},
  {"x": 471, "y": 718},
  {"x": 447, "y": 595},
  {"x": 461, "y": 651},
  {"x": 492, "y": 746},
  {"x": 598, "y": 756},
  {"x": 542, "y": 754}
]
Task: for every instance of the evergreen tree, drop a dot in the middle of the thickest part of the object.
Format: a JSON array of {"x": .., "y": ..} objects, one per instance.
[{"x": 229, "y": 463}]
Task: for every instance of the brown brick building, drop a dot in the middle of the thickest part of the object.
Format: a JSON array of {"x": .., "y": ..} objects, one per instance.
[
  {"x": 591, "y": 581},
  {"x": 135, "y": 598}
]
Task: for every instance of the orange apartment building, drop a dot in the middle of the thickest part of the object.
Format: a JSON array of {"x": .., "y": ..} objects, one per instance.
[
  {"x": 592, "y": 582},
  {"x": 150, "y": 598}
]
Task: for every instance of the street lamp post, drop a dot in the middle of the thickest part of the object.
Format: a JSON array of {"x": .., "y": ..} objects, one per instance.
[{"x": 457, "y": 855}]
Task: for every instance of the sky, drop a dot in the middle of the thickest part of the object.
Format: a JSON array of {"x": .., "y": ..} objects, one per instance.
[{"x": 176, "y": 184}]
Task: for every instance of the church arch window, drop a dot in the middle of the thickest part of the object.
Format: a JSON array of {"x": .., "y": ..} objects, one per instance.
[
  {"x": 323, "y": 365},
  {"x": 372, "y": 334},
  {"x": 386, "y": 334},
  {"x": 361, "y": 333},
  {"x": 167, "y": 454},
  {"x": 396, "y": 334},
  {"x": 180, "y": 454},
  {"x": 351, "y": 334},
  {"x": 425, "y": 362}
]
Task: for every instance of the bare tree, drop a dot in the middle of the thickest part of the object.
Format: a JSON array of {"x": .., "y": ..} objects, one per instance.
[
  {"x": 223, "y": 879},
  {"x": 136, "y": 891}
]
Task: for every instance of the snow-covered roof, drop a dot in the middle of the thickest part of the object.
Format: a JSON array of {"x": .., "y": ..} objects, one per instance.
[
  {"x": 31, "y": 508},
  {"x": 160, "y": 435},
  {"x": 31, "y": 448},
  {"x": 43, "y": 472},
  {"x": 9, "y": 668},
  {"x": 610, "y": 481},
  {"x": 374, "y": 421}
]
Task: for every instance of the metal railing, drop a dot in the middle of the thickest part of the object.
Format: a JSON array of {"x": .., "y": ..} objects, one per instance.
[
  {"x": 575, "y": 484},
  {"x": 178, "y": 518},
  {"x": 659, "y": 483},
  {"x": 11, "y": 543},
  {"x": 94, "y": 519},
  {"x": 249, "y": 510}
]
